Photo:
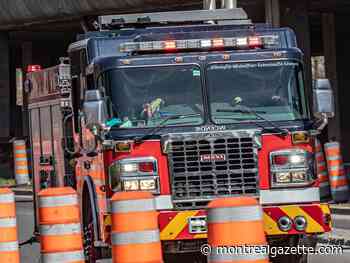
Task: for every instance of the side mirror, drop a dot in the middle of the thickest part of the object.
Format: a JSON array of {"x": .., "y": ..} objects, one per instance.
[
  {"x": 323, "y": 99},
  {"x": 95, "y": 110}
]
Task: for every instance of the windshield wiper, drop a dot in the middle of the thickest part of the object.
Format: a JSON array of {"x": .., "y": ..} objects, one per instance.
[
  {"x": 247, "y": 110},
  {"x": 161, "y": 125},
  {"x": 240, "y": 110}
]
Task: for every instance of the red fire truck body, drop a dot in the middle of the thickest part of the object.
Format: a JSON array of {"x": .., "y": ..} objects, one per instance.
[{"x": 85, "y": 132}]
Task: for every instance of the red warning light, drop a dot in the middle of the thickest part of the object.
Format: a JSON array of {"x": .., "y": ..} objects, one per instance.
[
  {"x": 254, "y": 42},
  {"x": 33, "y": 68}
]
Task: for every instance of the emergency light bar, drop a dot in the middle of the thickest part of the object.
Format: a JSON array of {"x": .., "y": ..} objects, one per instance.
[
  {"x": 33, "y": 68},
  {"x": 269, "y": 41}
]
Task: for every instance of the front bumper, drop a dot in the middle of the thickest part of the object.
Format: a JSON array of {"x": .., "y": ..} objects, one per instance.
[{"x": 174, "y": 225}]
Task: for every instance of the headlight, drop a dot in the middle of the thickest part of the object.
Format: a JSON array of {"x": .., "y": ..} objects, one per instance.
[
  {"x": 292, "y": 167},
  {"x": 131, "y": 185},
  {"x": 129, "y": 168},
  {"x": 283, "y": 178},
  {"x": 149, "y": 184},
  {"x": 135, "y": 174},
  {"x": 299, "y": 177}
]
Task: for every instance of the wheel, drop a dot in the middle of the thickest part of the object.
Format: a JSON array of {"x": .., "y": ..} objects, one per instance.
[
  {"x": 294, "y": 241},
  {"x": 91, "y": 252}
]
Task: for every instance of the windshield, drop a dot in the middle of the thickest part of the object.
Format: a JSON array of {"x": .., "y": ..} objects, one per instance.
[
  {"x": 273, "y": 89},
  {"x": 144, "y": 97}
]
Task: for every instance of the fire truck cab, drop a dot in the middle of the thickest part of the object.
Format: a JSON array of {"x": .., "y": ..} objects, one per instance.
[{"x": 190, "y": 106}]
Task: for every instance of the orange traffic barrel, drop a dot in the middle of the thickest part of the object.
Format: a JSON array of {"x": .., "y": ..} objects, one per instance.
[
  {"x": 60, "y": 229},
  {"x": 21, "y": 162},
  {"x": 135, "y": 231},
  {"x": 336, "y": 171},
  {"x": 9, "y": 250},
  {"x": 322, "y": 172},
  {"x": 236, "y": 223}
]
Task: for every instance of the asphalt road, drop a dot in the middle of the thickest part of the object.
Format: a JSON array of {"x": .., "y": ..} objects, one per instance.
[
  {"x": 31, "y": 254},
  {"x": 25, "y": 222}
]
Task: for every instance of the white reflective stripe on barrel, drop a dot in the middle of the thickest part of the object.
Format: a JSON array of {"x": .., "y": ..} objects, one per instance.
[
  {"x": 22, "y": 176},
  {"x": 339, "y": 177},
  {"x": 336, "y": 167},
  {"x": 139, "y": 205},
  {"x": 137, "y": 237},
  {"x": 332, "y": 145},
  {"x": 8, "y": 222},
  {"x": 20, "y": 151},
  {"x": 60, "y": 229},
  {"x": 7, "y": 198},
  {"x": 21, "y": 167},
  {"x": 53, "y": 201},
  {"x": 63, "y": 257},
  {"x": 9, "y": 246},
  {"x": 21, "y": 159},
  {"x": 334, "y": 158},
  {"x": 19, "y": 142},
  {"x": 231, "y": 214},
  {"x": 340, "y": 189},
  {"x": 233, "y": 257}
]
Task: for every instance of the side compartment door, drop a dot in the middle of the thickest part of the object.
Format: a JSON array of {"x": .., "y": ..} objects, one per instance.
[
  {"x": 48, "y": 158},
  {"x": 35, "y": 141},
  {"x": 57, "y": 139}
]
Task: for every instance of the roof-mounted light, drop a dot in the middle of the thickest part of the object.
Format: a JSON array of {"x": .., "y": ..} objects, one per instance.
[
  {"x": 255, "y": 42},
  {"x": 170, "y": 45},
  {"x": 242, "y": 42},
  {"x": 268, "y": 41},
  {"x": 218, "y": 42},
  {"x": 33, "y": 68},
  {"x": 206, "y": 43}
]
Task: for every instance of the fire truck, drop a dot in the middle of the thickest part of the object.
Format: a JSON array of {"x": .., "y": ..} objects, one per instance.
[{"x": 188, "y": 105}]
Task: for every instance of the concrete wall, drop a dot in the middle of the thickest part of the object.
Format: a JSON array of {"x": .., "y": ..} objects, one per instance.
[{"x": 342, "y": 65}]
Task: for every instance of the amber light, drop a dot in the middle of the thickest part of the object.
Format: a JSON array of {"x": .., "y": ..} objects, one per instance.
[
  {"x": 300, "y": 137},
  {"x": 123, "y": 147},
  {"x": 218, "y": 42},
  {"x": 170, "y": 45}
]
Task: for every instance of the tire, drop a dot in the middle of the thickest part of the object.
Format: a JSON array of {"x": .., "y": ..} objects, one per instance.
[
  {"x": 294, "y": 241},
  {"x": 91, "y": 252}
]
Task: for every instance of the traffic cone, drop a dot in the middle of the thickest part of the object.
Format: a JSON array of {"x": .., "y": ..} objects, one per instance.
[
  {"x": 21, "y": 162},
  {"x": 135, "y": 230},
  {"x": 236, "y": 223},
  {"x": 336, "y": 171},
  {"x": 9, "y": 250},
  {"x": 60, "y": 230}
]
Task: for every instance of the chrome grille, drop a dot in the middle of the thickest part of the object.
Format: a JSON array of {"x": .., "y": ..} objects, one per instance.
[{"x": 194, "y": 180}]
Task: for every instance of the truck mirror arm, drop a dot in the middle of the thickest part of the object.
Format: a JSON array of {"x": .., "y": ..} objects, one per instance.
[{"x": 321, "y": 122}]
